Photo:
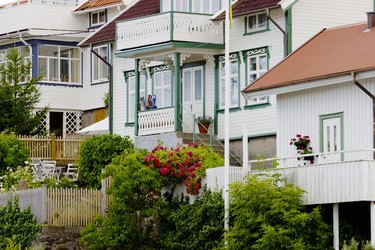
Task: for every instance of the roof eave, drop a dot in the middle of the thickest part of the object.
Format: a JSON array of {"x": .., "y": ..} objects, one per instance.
[{"x": 88, "y": 10}]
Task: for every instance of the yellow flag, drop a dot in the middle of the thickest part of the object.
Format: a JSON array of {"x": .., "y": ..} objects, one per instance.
[{"x": 230, "y": 13}]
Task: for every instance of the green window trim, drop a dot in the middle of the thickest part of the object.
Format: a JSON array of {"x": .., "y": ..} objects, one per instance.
[
  {"x": 127, "y": 76},
  {"x": 339, "y": 115},
  {"x": 129, "y": 124},
  {"x": 257, "y": 106},
  {"x": 257, "y": 30},
  {"x": 231, "y": 110}
]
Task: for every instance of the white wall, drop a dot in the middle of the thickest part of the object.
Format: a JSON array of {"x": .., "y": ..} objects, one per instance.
[
  {"x": 298, "y": 113},
  {"x": 310, "y": 17},
  {"x": 61, "y": 97}
]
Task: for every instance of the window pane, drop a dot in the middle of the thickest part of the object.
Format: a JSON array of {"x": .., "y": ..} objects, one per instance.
[
  {"x": 252, "y": 22},
  {"x": 168, "y": 97},
  {"x": 234, "y": 91},
  {"x": 222, "y": 93},
  {"x": 233, "y": 67},
  {"x": 253, "y": 63},
  {"x": 43, "y": 68},
  {"x": 198, "y": 85},
  {"x": 222, "y": 70},
  {"x": 131, "y": 82},
  {"x": 187, "y": 86},
  {"x": 53, "y": 69},
  {"x": 167, "y": 78},
  {"x": 102, "y": 17},
  {"x": 64, "y": 70},
  {"x": 159, "y": 98},
  {"x": 75, "y": 72},
  {"x": 157, "y": 79},
  {"x": 131, "y": 107},
  {"x": 95, "y": 18},
  {"x": 263, "y": 62},
  {"x": 262, "y": 20}
]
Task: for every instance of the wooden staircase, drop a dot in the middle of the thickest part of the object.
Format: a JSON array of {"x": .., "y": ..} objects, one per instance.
[{"x": 187, "y": 138}]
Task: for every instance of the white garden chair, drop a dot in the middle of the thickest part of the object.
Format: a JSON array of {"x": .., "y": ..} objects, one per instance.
[{"x": 71, "y": 172}]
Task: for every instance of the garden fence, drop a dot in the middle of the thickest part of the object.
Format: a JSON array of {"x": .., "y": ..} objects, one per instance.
[{"x": 62, "y": 206}]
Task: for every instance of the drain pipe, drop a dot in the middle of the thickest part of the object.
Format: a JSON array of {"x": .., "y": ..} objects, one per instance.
[{"x": 367, "y": 92}]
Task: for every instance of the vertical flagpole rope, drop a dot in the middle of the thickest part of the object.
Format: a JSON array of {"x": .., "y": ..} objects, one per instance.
[{"x": 226, "y": 118}]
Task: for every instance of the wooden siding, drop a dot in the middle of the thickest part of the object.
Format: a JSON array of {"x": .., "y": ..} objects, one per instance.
[
  {"x": 310, "y": 17},
  {"x": 298, "y": 113}
]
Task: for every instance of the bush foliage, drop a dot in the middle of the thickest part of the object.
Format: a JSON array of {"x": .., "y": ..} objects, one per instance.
[
  {"x": 20, "y": 226},
  {"x": 13, "y": 153},
  {"x": 97, "y": 152}
]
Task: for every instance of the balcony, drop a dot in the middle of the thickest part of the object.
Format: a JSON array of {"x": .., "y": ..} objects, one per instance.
[
  {"x": 325, "y": 181},
  {"x": 156, "y": 121},
  {"x": 39, "y": 15},
  {"x": 168, "y": 27}
]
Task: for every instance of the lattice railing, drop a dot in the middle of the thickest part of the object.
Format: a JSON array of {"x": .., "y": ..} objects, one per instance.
[{"x": 156, "y": 121}]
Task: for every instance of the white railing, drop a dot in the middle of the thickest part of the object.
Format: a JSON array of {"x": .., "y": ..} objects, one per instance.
[
  {"x": 14, "y": 3},
  {"x": 169, "y": 26},
  {"x": 156, "y": 121}
]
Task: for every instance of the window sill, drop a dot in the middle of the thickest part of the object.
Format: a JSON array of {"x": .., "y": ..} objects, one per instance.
[
  {"x": 249, "y": 33},
  {"x": 257, "y": 106},
  {"x": 60, "y": 84},
  {"x": 129, "y": 124},
  {"x": 231, "y": 110},
  {"x": 99, "y": 82}
]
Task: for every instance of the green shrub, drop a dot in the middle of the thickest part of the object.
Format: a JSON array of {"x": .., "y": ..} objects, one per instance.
[
  {"x": 20, "y": 226},
  {"x": 97, "y": 152},
  {"x": 194, "y": 226},
  {"x": 13, "y": 153}
]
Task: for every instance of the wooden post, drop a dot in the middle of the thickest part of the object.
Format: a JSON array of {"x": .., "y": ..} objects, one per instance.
[{"x": 53, "y": 146}]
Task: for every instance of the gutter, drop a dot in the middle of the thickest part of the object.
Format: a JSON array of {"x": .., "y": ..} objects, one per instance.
[{"x": 367, "y": 92}]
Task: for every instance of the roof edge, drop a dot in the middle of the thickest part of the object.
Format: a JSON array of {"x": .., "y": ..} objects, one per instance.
[{"x": 88, "y": 10}]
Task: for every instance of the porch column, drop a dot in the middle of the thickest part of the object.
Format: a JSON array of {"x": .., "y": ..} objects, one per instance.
[
  {"x": 372, "y": 222},
  {"x": 136, "y": 74},
  {"x": 336, "y": 226},
  {"x": 177, "y": 93}
]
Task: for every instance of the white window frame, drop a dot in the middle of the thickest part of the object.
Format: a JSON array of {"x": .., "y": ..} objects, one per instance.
[
  {"x": 59, "y": 59},
  {"x": 97, "y": 13},
  {"x": 27, "y": 58},
  {"x": 142, "y": 93},
  {"x": 161, "y": 100},
  {"x": 233, "y": 75},
  {"x": 102, "y": 74},
  {"x": 258, "y": 26}
]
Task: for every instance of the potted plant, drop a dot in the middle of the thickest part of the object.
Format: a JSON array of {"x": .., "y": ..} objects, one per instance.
[
  {"x": 302, "y": 144},
  {"x": 204, "y": 123}
]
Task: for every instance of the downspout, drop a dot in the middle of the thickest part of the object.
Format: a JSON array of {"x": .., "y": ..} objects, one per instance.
[
  {"x": 110, "y": 94},
  {"x": 367, "y": 92},
  {"x": 33, "y": 63},
  {"x": 268, "y": 11}
]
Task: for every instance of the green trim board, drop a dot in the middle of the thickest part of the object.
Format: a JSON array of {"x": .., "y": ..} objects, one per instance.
[
  {"x": 177, "y": 96},
  {"x": 137, "y": 81},
  {"x": 289, "y": 30},
  {"x": 168, "y": 45},
  {"x": 216, "y": 102},
  {"x": 339, "y": 115}
]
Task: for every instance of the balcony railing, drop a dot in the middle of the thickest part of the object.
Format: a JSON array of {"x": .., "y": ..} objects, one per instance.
[
  {"x": 166, "y": 27},
  {"x": 325, "y": 181},
  {"x": 156, "y": 121}
]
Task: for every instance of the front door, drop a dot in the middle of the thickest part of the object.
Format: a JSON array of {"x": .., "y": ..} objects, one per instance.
[
  {"x": 192, "y": 96},
  {"x": 332, "y": 137}
]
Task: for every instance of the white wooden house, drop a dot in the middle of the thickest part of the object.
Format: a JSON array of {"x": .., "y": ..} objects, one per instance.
[
  {"x": 47, "y": 32},
  {"x": 326, "y": 90}
]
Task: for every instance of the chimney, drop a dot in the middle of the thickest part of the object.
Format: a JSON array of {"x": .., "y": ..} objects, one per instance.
[{"x": 370, "y": 19}]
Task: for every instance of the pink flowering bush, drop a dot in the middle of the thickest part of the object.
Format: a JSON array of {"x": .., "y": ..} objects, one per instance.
[
  {"x": 184, "y": 165},
  {"x": 302, "y": 144}
]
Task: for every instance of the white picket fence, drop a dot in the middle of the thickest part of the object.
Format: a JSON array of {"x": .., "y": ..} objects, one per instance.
[{"x": 62, "y": 206}]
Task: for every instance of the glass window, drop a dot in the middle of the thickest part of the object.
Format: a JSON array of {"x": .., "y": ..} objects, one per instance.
[
  {"x": 98, "y": 18},
  {"x": 23, "y": 50},
  {"x": 99, "y": 68},
  {"x": 59, "y": 64},
  {"x": 131, "y": 95},
  {"x": 234, "y": 85},
  {"x": 256, "y": 22},
  {"x": 257, "y": 65},
  {"x": 206, "y": 6},
  {"x": 163, "y": 88}
]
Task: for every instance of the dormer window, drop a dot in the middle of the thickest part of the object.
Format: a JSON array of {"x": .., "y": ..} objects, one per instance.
[
  {"x": 255, "y": 23},
  {"x": 98, "y": 18}
]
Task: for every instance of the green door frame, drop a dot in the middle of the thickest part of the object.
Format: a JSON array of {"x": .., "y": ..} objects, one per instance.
[{"x": 339, "y": 115}]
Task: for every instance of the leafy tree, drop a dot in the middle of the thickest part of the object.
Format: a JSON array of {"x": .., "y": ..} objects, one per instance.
[
  {"x": 13, "y": 153},
  {"x": 19, "y": 95},
  {"x": 97, "y": 152},
  {"x": 199, "y": 225},
  {"x": 267, "y": 213},
  {"x": 20, "y": 226},
  {"x": 135, "y": 202}
]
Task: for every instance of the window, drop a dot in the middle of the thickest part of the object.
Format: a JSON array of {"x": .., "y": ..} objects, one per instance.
[
  {"x": 206, "y": 6},
  {"x": 162, "y": 87},
  {"x": 99, "y": 70},
  {"x": 98, "y": 18},
  {"x": 182, "y": 5},
  {"x": 131, "y": 94},
  {"x": 234, "y": 83},
  {"x": 59, "y": 64},
  {"x": 256, "y": 23},
  {"x": 23, "y": 50},
  {"x": 257, "y": 65}
]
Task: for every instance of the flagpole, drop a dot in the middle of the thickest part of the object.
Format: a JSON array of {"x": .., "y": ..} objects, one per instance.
[{"x": 226, "y": 119}]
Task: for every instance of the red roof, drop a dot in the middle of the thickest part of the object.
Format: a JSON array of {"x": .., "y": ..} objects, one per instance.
[
  {"x": 332, "y": 52},
  {"x": 96, "y": 3},
  {"x": 243, "y": 7},
  {"x": 108, "y": 32}
]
